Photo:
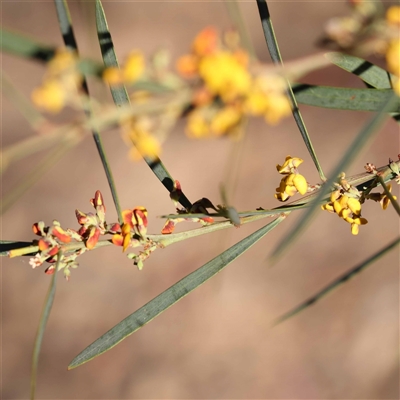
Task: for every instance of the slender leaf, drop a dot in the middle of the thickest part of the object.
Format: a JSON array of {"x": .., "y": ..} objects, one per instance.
[
  {"x": 275, "y": 54},
  {"x": 368, "y": 72},
  {"x": 337, "y": 282},
  {"x": 48, "y": 304},
  {"x": 7, "y": 245},
  {"x": 345, "y": 98},
  {"x": 121, "y": 97},
  {"x": 169, "y": 297},
  {"x": 359, "y": 142},
  {"x": 68, "y": 35},
  {"x": 371, "y": 74},
  {"x": 20, "y": 45}
]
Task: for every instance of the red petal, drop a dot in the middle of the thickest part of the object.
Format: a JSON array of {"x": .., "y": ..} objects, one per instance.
[
  {"x": 93, "y": 238},
  {"x": 127, "y": 217},
  {"x": 168, "y": 227},
  {"x": 117, "y": 239},
  {"x": 43, "y": 245},
  {"x": 81, "y": 217},
  {"x": 60, "y": 234},
  {"x": 50, "y": 270}
]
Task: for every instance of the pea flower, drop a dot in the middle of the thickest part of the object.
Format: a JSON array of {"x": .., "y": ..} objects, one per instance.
[
  {"x": 61, "y": 83},
  {"x": 345, "y": 202},
  {"x": 292, "y": 182}
]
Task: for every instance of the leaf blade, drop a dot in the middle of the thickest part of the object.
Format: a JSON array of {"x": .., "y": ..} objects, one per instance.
[
  {"x": 169, "y": 297},
  {"x": 344, "y": 98},
  {"x": 337, "y": 282}
]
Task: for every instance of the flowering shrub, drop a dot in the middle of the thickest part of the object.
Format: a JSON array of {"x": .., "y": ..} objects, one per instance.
[{"x": 214, "y": 90}]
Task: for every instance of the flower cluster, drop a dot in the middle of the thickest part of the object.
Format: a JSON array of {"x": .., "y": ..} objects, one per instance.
[
  {"x": 368, "y": 31},
  {"x": 61, "y": 83},
  {"x": 73, "y": 243},
  {"x": 292, "y": 182},
  {"x": 345, "y": 202},
  {"x": 51, "y": 241},
  {"x": 225, "y": 89}
]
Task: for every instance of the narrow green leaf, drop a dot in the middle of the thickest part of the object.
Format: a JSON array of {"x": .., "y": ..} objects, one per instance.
[
  {"x": 68, "y": 35},
  {"x": 20, "y": 45},
  {"x": 121, "y": 97},
  {"x": 169, "y": 297},
  {"x": 337, "y": 282},
  {"x": 275, "y": 54},
  {"x": 48, "y": 304},
  {"x": 7, "y": 245},
  {"x": 371, "y": 74},
  {"x": 368, "y": 72},
  {"x": 345, "y": 98},
  {"x": 359, "y": 142}
]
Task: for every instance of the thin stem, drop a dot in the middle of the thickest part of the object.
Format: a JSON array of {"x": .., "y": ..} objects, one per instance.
[
  {"x": 237, "y": 18},
  {"x": 48, "y": 303}
]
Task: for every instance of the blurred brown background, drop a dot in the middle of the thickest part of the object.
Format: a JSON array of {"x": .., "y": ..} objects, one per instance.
[{"x": 215, "y": 343}]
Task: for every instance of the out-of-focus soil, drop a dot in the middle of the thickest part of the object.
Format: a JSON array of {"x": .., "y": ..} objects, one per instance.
[{"x": 217, "y": 342}]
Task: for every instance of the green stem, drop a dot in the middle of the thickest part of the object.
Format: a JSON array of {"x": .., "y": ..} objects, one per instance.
[
  {"x": 237, "y": 18},
  {"x": 48, "y": 303}
]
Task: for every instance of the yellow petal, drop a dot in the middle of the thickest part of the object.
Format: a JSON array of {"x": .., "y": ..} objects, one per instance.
[
  {"x": 354, "y": 205},
  {"x": 300, "y": 183}
]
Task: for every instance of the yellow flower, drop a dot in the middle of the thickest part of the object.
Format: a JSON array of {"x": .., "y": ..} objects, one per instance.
[
  {"x": 257, "y": 102},
  {"x": 133, "y": 67},
  {"x": 225, "y": 120},
  {"x": 347, "y": 208},
  {"x": 355, "y": 223},
  {"x": 137, "y": 132},
  {"x": 64, "y": 60},
  {"x": 290, "y": 185},
  {"x": 131, "y": 70},
  {"x": 224, "y": 75},
  {"x": 289, "y": 164},
  {"x": 393, "y": 15},
  {"x": 197, "y": 126},
  {"x": 50, "y": 96},
  {"x": 112, "y": 76},
  {"x": 279, "y": 107}
]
